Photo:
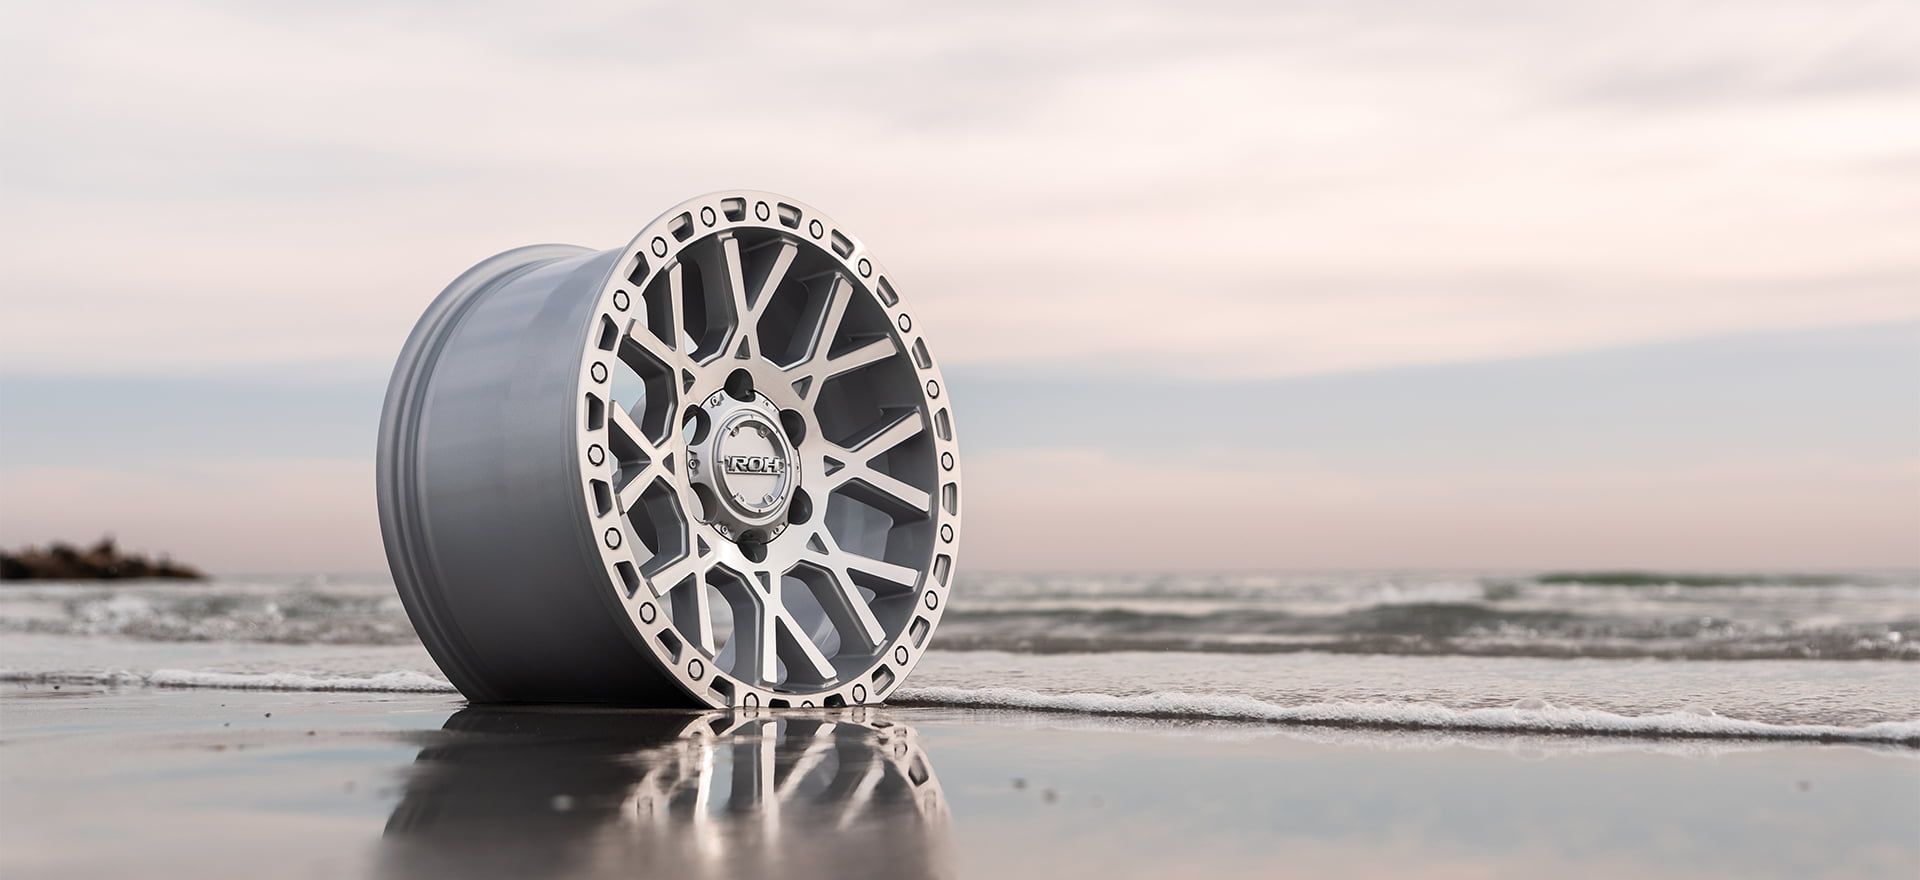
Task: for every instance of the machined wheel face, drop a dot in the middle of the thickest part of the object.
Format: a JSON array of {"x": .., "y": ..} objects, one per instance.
[{"x": 715, "y": 467}]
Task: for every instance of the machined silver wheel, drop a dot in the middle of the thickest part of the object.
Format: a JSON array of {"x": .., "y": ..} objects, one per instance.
[{"x": 714, "y": 467}]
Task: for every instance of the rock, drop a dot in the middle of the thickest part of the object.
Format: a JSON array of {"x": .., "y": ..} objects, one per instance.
[{"x": 102, "y": 561}]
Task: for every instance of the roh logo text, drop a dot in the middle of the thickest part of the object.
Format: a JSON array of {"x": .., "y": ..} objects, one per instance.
[{"x": 754, "y": 464}]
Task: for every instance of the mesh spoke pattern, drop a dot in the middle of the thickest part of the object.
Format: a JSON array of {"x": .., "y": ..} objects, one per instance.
[
  {"x": 714, "y": 467},
  {"x": 748, "y": 305}
]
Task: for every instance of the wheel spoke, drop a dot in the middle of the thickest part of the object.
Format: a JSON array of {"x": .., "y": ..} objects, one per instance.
[
  {"x": 903, "y": 429},
  {"x": 894, "y": 491},
  {"x": 627, "y": 429},
  {"x": 669, "y": 575},
  {"x": 821, "y": 363},
  {"x": 860, "y": 469},
  {"x": 661, "y": 322},
  {"x": 639, "y": 335},
  {"x": 870, "y": 353},
  {"x": 677, "y": 294},
  {"x": 776, "y": 274},
  {"x": 899, "y": 576},
  {"x": 693, "y": 613},
  {"x": 804, "y": 659},
  {"x": 745, "y": 312},
  {"x": 631, "y": 447},
  {"x": 843, "y": 563},
  {"x": 850, "y": 613},
  {"x": 839, "y": 295},
  {"x": 629, "y": 494},
  {"x": 775, "y": 637}
]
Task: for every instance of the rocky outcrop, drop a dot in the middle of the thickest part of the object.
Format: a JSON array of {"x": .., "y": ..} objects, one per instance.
[{"x": 102, "y": 561}]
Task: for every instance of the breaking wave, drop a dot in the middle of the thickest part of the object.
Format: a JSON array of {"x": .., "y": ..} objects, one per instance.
[
  {"x": 194, "y": 613},
  {"x": 1693, "y": 579},
  {"x": 1529, "y": 716},
  {"x": 1423, "y": 628},
  {"x": 1526, "y": 716},
  {"x": 401, "y": 681},
  {"x": 1593, "y": 614}
]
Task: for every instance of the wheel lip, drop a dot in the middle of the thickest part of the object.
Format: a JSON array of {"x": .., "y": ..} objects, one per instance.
[
  {"x": 693, "y": 670},
  {"x": 408, "y": 542}
]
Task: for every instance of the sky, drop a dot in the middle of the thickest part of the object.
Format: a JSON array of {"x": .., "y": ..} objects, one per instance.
[{"x": 1216, "y": 285}]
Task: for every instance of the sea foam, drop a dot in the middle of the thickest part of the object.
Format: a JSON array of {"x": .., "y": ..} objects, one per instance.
[
  {"x": 401, "y": 681},
  {"x": 1532, "y": 716},
  {"x": 1536, "y": 717}
]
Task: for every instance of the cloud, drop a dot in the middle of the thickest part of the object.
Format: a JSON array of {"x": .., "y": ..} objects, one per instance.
[
  {"x": 1213, "y": 193},
  {"x": 1269, "y": 189}
]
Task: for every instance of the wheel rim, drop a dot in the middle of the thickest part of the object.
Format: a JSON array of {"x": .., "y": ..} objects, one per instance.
[{"x": 754, "y": 499}]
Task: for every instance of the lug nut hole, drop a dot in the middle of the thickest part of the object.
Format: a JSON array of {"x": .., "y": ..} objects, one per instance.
[
  {"x": 695, "y": 425},
  {"x": 800, "y": 509},
  {"x": 740, "y": 385},
  {"x": 753, "y": 545},
  {"x": 795, "y": 425},
  {"x": 708, "y": 502}
]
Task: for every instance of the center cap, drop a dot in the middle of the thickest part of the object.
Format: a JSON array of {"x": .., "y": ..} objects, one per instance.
[{"x": 746, "y": 464}]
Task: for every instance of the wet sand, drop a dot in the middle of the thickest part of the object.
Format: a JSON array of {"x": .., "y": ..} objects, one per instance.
[{"x": 159, "y": 782}]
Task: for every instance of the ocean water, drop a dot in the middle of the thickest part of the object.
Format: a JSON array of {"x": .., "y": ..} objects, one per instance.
[{"x": 1826, "y": 656}]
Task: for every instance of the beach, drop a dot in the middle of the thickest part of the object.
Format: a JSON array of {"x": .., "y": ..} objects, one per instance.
[
  {"x": 293, "y": 727},
  {"x": 203, "y": 782}
]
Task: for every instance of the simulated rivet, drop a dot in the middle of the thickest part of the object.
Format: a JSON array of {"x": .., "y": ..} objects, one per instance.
[
  {"x": 866, "y": 268},
  {"x": 946, "y": 533},
  {"x": 761, "y": 211},
  {"x": 751, "y": 701},
  {"x": 647, "y": 612},
  {"x": 613, "y": 538},
  {"x": 906, "y": 323},
  {"x": 946, "y": 461},
  {"x": 815, "y": 229},
  {"x": 706, "y": 216},
  {"x": 933, "y": 388},
  {"x": 596, "y": 455},
  {"x": 900, "y": 654},
  {"x": 599, "y": 372},
  {"x": 933, "y": 601},
  {"x": 695, "y": 668},
  {"x": 620, "y": 300},
  {"x": 859, "y": 693}
]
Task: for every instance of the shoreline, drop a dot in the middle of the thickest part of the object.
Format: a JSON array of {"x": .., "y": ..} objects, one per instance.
[{"x": 1542, "y": 720}]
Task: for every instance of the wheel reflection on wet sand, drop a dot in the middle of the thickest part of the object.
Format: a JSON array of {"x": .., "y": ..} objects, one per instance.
[{"x": 518, "y": 792}]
